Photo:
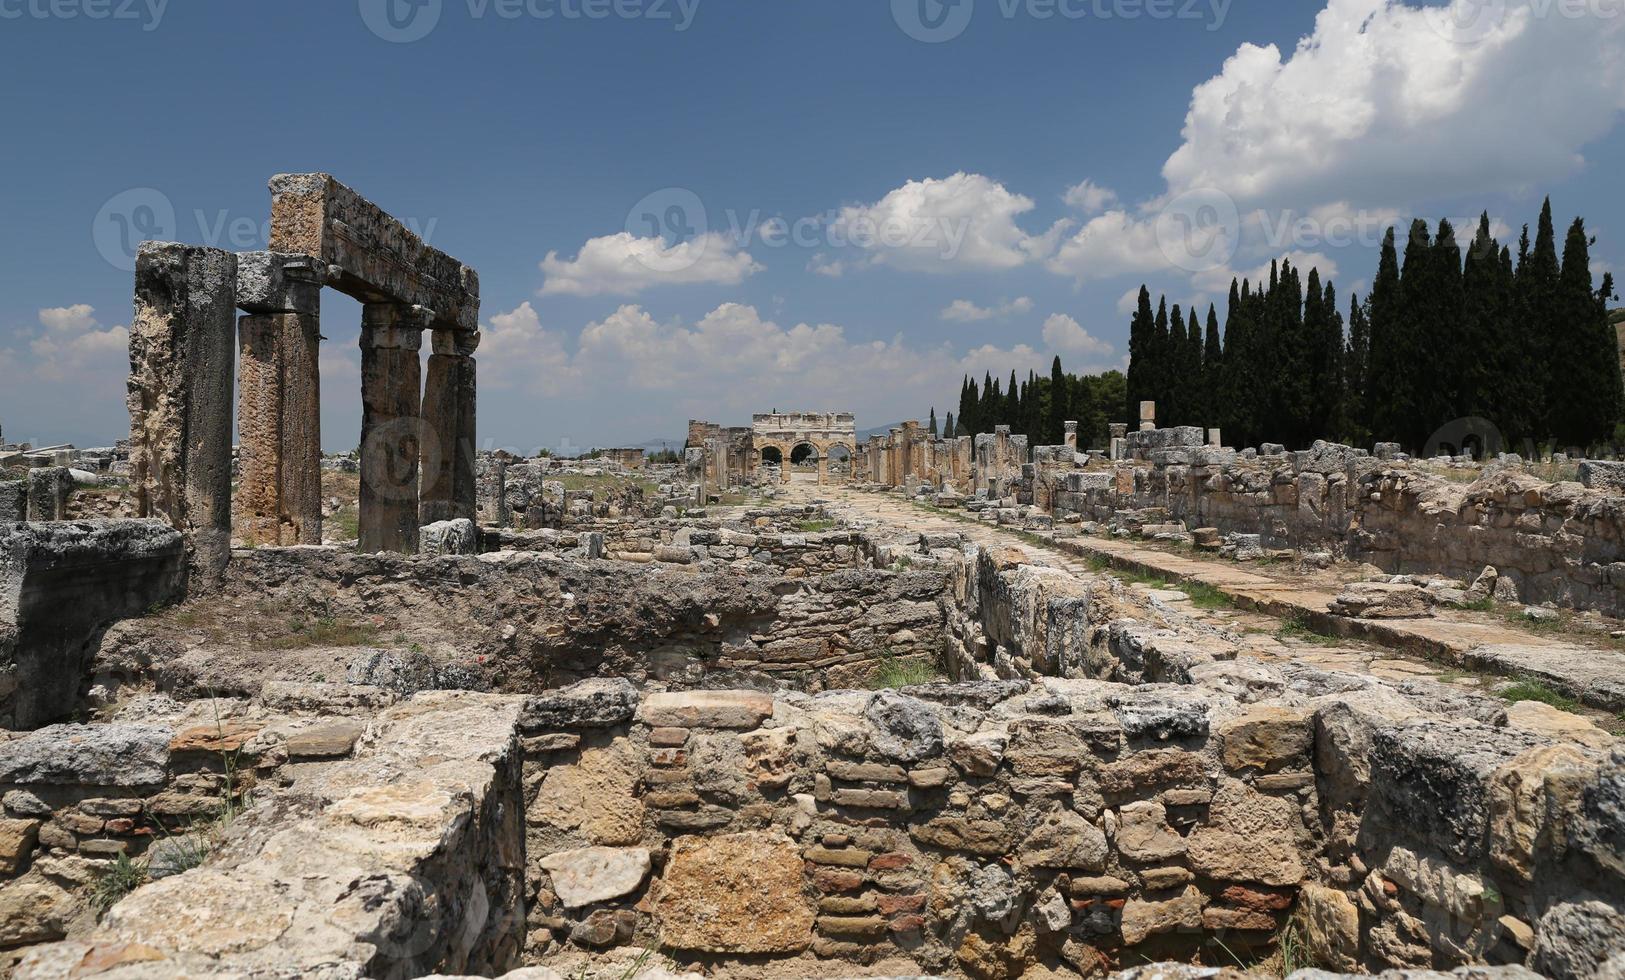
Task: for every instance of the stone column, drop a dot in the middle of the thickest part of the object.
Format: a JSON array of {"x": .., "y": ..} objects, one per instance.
[
  {"x": 182, "y": 364},
  {"x": 259, "y": 430},
  {"x": 1071, "y": 438},
  {"x": 823, "y": 470},
  {"x": 447, "y": 452},
  {"x": 1148, "y": 416},
  {"x": 279, "y": 398},
  {"x": 391, "y": 431}
]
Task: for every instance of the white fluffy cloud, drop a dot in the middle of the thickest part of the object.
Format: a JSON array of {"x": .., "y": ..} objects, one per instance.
[
  {"x": 1388, "y": 104},
  {"x": 1065, "y": 335},
  {"x": 1089, "y": 197},
  {"x": 965, "y": 311},
  {"x": 516, "y": 351},
  {"x": 64, "y": 377},
  {"x": 962, "y": 222},
  {"x": 1384, "y": 107},
  {"x": 625, "y": 265},
  {"x": 643, "y": 372}
]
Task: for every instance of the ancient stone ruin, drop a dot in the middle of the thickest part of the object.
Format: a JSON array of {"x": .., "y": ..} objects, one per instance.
[{"x": 954, "y": 707}]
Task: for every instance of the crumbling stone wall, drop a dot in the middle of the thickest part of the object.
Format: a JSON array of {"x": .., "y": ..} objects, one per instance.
[
  {"x": 61, "y": 585},
  {"x": 1558, "y": 542},
  {"x": 808, "y": 612}
]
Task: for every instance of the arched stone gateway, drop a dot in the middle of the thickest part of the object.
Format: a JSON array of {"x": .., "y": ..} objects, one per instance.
[{"x": 802, "y": 444}]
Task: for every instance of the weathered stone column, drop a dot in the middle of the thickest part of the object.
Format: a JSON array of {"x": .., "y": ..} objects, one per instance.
[
  {"x": 182, "y": 363},
  {"x": 391, "y": 431},
  {"x": 1148, "y": 416},
  {"x": 448, "y": 428},
  {"x": 823, "y": 470},
  {"x": 279, "y": 398},
  {"x": 1071, "y": 437}
]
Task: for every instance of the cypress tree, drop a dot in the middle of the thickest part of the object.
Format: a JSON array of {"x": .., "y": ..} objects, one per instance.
[
  {"x": 1539, "y": 305},
  {"x": 1170, "y": 399},
  {"x": 967, "y": 398},
  {"x": 1584, "y": 396},
  {"x": 1012, "y": 405},
  {"x": 948, "y": 430},
  {"x": 1191, "y": 383},
  {"x": 1055, "y": 423},
  {"x": 1240, "y": 380},
  {"x": 1481, "y": 357},
  {"x": 933, "y": 423},
  {"x": 1213, "y": 370},
  {"x": 991, "y": 405},
  {"x": 1158, "y": 374},
  {"x": 1440, "y": 348},
  {"x": 1140, "y": 333},
  {"x": 1356, "y": 363}
]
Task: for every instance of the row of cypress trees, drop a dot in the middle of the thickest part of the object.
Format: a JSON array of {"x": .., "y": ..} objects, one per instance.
[
  {"x": 1039, "y": 407},
  {"x": 1523, "y": 342}
]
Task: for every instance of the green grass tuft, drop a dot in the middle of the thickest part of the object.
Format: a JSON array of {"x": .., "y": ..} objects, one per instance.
[
  {"x": 1533, "y": 690},
  {"x": 1299, "y": 629},
  {"x": 120, "y": 878},
  {"x": 894, "y": 672}
]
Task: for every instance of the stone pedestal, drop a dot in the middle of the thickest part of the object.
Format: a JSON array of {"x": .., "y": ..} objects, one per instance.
[
  {"x": 1148, "y": 416},
  {"x": 447, "y": 453},
  {"x": 391, "y": 431},
  {"x": 1071, "y": 438},
  {"x": 182, "y": 363}
]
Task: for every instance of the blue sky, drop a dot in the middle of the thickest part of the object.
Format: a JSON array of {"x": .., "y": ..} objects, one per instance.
[{"x": 1020, "y": 177}]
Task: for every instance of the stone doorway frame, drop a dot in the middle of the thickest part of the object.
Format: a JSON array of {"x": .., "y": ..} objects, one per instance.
[{"x": 417, "y": 439}]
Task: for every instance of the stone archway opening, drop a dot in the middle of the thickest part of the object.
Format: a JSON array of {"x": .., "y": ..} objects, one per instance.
[
  {"x": 806, "y": 463},
  {"x": 838, "y": 463},
  {"x": 770, "y": 464}
]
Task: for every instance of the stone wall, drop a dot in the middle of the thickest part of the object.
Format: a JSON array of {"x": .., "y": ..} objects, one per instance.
[
  {"x": 1111, "y": 782},
  {"x": 61, "y": 586},
  {"x": 404, "y": 859},
  {"x": 804, "y": 611},
  {"x": 1559, "y": 542}
]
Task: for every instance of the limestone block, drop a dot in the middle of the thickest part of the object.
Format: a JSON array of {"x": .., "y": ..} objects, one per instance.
[
  {"x": 735, "y": 894},
  {"x": 706, "y": 709},
  {"x": 16, "y": 843},
  {"x": 88, "y": 755},
  {"x": 13, "y": 501},
  {"x": 457, "y": 537},
  {"x": 1064, "y": 839},
  {"x": 598, "y": 702},
  {"x": 48, "y": 490},
  {"x": 279, "y": 282},
  {"x": 596, "y": 796},
  {"x": 1268, "y": 738},
  {"x": 1143, "y": 833},
  {"x": 596, "y": 874},
  {"x": 1250, "y": 837},
  {"x": 1143, "y": 919}
]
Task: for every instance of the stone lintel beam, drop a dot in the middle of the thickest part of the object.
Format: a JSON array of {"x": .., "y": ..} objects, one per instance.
[
  {"x": 279, "y": 282},
  {"x": 370, "y": 255}
]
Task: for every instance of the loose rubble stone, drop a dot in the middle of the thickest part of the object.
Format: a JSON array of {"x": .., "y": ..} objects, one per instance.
[{"x": 596, "y": 874}]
